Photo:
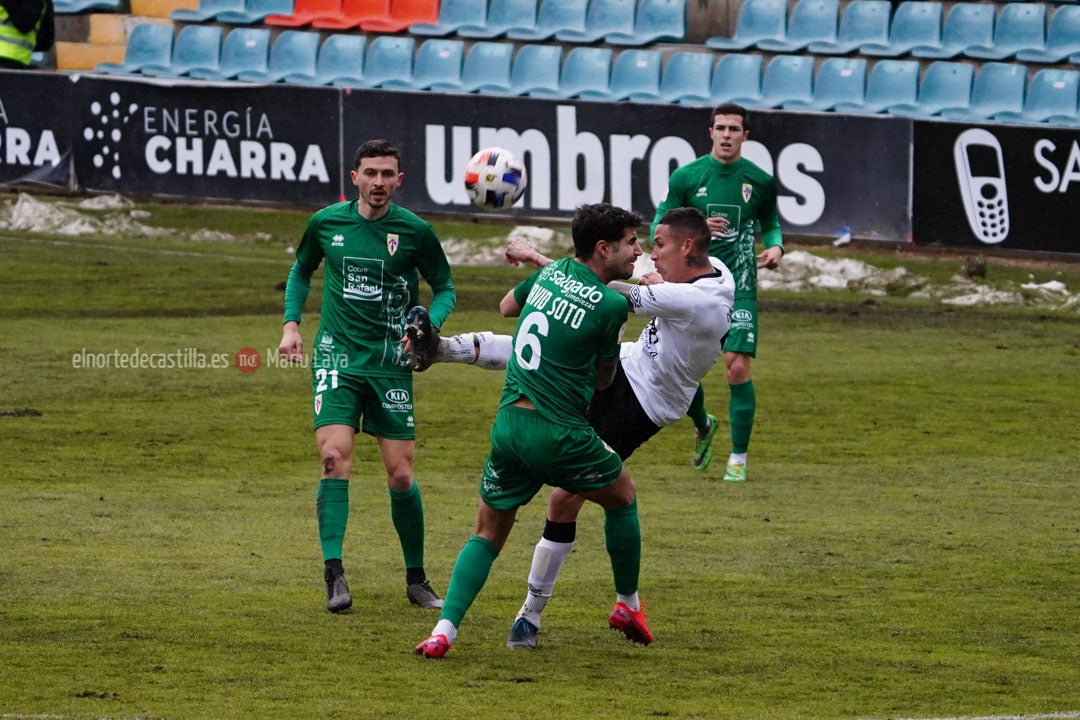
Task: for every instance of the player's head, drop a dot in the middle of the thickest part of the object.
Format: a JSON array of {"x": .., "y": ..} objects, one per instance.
[
  {"x": 605, "y": 236},
  {"x": 729, "y": 126},
  {"x": 377, "y": 174},
  {"x": 681, "y": 245}
]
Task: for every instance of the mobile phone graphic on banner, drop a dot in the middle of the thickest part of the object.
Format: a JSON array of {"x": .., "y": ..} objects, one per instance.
[{"x": 980, "y": 172}]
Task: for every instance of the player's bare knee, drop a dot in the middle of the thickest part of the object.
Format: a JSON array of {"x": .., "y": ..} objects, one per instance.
[
  {"x": 400, "y": 478},
  {"x": 335, "y": 463}
]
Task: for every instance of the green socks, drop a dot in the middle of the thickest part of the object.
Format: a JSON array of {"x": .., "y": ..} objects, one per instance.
[
  {"x": 741, "y": 414},
  {"x": 470, "y": 573},
  {"x": 407, "y": 512},
  {"x": 622, "y": 535},
  {"x": 696, "y": 411},
  {"x": 332, "y": 510}
]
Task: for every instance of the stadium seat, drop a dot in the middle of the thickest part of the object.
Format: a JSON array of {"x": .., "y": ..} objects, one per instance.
[
  {"x": 758, "y": 20},
  {"x": 787, "y": 77},
  {"x": 655, "y": 20},
  {"x": 839, "y": 80},
  {"x": 967, "y": 24},
  {"x": 403, "y": 14},
  {"x": 353, "y": 12},
  {"x": 1051, "y": 99},
  {"x": 946, "y": 85},
  {"x": 244, "y": 49},
  {"x": 1020, "y": 26},
  {"x": 255, "y": 11},
  {"x": 810, "y": 21},
  {"x": 915, "y": 23},
  {"x": 586, "y": 74},
  {"x": 501, "y": 16},
  {"x": 602, "y": 18},
  {"x": 536, "y": 69},
  {"x": 635, "y": 76},
  {"x": 208, "y": 10},
  {"x": 294, "y": 51},
  {"x": 74, "y": 7},
  {"x": 554, "y": 16},
  {"x": 891, "y": 82},
  {"x": 997, "y": 88},
  {"x": 453, "y": 14},
  {"x": 864, "y": 21},
  {"x": 487, "y": 68},
  {"x": 196, "y": 46},
  {"x": 437, "y": 66},
  {"x": 148, "y": 44},
  {"x": 686, "y": 78},
  {"x": 736, "y": 78},
  {"x": 389, "y": 59},
  {"x": 341, "y": 60},
  {"x": 1062, "y": 40},
  {"x": 304, "y": 12}
]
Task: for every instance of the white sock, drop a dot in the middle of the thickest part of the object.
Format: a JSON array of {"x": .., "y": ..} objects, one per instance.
[
  {"x": 493, "y": 351},
  {"x": 737, "y": 458},
  {"x": 630, "y": 601},
  {"x": 548, "y": 560},
  {"x": 457, "y": 348},
  {"x": 445, "y": 627}
]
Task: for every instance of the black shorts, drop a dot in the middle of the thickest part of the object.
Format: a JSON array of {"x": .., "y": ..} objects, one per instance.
[{"x": 617, "y": 417}]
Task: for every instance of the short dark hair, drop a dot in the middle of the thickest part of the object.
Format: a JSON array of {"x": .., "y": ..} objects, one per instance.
[
  {"x": 601, "y": 221},
  {"x": 690, "y": 222},
  {"x": 731, "y": 109},
  {"x": 376, "y": 148}
]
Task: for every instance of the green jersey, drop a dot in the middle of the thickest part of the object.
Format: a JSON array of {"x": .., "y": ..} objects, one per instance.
[
  {"x": 369, "y": 282},
  {"x": 744, "y": 194},
  {"x": 569, "y": 319}
]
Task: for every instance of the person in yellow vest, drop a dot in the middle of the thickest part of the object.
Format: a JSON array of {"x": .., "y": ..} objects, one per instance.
[{"x": 26, "y": 26}]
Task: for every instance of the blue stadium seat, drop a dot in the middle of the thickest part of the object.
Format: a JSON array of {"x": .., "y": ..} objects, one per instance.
[
  {"x": 554, "y": 16},
  {"x": 586, "y": 74},
  {"x": 208, "y": 10},
  {"x": 635, "y": 76},
  {"x": 487, "y": 68},
  {"x": 340, "y": 61},
  {"x": 946, "y": 85},
  {"x": 74, "y": 7},
  {"x": 437, "y": 66},
  {"x": 864, "y": 21},
  {"x": 1062, "y": 40},
  {"x": 916, "y": 23},
  {"x": 536, "y": 69},
  {"x": 389, "y": 61},
  {"x": 997, "y": 88},
  {"x": 196, "y": 46},
  {"x": 686, "y": 78},
  {"x": 255, "y": 11},
  {"x": 453, "y": 15},
  {"x": 967, "y": 24},
  {"x": 810, "y": 21},
  {"x": 891, "y": 82},
  {"x": 503, "y": 15},
  {"x": 1052, "y": 97},
  {"x": 148, "y": 44},
  {"x": 244, "y": 49},
  {"x": 758, "y": 20},
  {"x": 1020, "y": 26},
  {"x": 787, "y": 77},
  {"x": 294, "y": 51},
  {"x": 655, "y": 20},
  {"x": 736, "y": 78},
  {"x": 602, "y": 18},
  {"x": 839, "y": 80}
]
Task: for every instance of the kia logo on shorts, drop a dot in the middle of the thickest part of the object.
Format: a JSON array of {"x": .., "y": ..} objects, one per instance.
[
  {"x": 742, "y": 316},
  {"x": 397, "y": 395}
]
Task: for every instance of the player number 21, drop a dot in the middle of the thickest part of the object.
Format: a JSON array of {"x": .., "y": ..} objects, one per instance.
[{"x": 321, "y": 374}]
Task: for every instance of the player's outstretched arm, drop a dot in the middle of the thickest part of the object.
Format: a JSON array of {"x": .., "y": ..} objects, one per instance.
[{"x": 519, "y": 250}]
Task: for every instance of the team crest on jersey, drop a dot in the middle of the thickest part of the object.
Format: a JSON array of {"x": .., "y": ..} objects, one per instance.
[
  {"x": 318, "y": 404},
  {"x": 747, "y": 190},
  {"x": 392, "y": 242}
]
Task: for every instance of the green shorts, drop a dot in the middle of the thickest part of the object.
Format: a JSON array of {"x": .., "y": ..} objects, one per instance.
[
  {"x": 385, "y": 404},
  {"x": 742, "y": 337},
  {"x": 528, "y": 452}
]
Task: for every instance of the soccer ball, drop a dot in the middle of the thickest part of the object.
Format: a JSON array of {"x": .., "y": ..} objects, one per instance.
[{"x": 495, "y": 179}]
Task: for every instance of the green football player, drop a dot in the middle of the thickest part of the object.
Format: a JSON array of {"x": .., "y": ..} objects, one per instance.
[
  {"x": 738, "y": 199},
  {"x": 372, "y": 252}
]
